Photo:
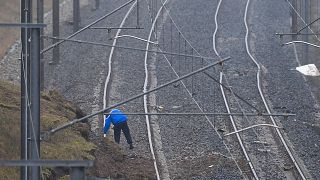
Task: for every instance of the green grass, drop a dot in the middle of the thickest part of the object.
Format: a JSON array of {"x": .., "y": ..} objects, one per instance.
[{"x": 65, "y": 145}]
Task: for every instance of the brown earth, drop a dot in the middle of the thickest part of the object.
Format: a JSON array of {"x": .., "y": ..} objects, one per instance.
[
  {"x": 112, "y": 161},
  {"x": 68, "y": 144},
  {"x": 65, "y": 145}
]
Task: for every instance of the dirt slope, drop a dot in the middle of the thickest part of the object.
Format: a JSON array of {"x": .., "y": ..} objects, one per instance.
[{"x": 67, "y": 145}]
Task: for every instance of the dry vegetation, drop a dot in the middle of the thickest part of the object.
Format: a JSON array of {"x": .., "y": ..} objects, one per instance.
[{"x": 68, "y": 144}]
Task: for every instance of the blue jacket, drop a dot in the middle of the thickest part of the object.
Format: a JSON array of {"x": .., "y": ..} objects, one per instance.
[{"x": 116, "y": 117}]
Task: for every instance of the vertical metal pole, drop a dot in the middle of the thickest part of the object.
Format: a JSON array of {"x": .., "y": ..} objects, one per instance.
[
  {"x": 152, "y": 13},
  {"x": 76, "y": 15},
  {"x": 179, "y": 68},
  {"x": 28, "y": 10},
  {"x": 171, "y": 63},
  {"x": 138, "y": 25},
  {"x": 23, "y": 105},
  {"x": 35, "y": 101},
  {"x": 192, "y": 78},
  {"x": 40, "y": 20},
  {"x": 55, "y": 31},
  {"x": 163, "y": 26},
  {"x": 97, "y": 4},
  {"x": 294, "y": 17},
  {"x": 77, "y": 173},
  {"x": 155, "y": 14},
  {"x": 306, "y": 38},
  {"x": 185, "y": 58}
]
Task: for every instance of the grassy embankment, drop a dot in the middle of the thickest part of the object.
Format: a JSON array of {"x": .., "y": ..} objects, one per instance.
[{"x": 68, "y": 144}]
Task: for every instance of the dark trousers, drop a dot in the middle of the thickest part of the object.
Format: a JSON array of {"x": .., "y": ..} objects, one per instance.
[{"x": 126, "y": 131}]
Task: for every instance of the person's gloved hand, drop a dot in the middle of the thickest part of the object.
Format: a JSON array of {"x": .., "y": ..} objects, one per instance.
[{"x": 104, "y": 135}]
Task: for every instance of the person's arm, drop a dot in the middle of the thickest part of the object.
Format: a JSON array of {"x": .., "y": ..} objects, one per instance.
[{"x": 106, "y": 125}]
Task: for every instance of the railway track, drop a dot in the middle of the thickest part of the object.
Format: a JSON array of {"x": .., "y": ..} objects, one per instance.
[
  {"x": 257, "y": 172},
  {"x": 110, "y": 76},
  {"x": 176, "y": 73},
  {"x": 229, "y": 100}
]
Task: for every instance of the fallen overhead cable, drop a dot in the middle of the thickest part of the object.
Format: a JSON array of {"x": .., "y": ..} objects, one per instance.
[
  {"x": 126, "y": 47},
  {"x": 110, "y": 28},
  {"x": 52, "y": 131},
  {"x": 209, "y": 114},
  {"x": 225, "y": 87},
  {"x": 250, "y": 127},
  {"x": 87, "y": 27},
  {"x": 303, "y": 42}
]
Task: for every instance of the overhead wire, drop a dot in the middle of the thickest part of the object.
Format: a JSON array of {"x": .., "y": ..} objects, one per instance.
[
  {"x": 263, "y": 97},
  {"x": 299, "y": 15},
  {"x": 33, "y": 137},
  {"x": 250, "y": 124},
  {"x": 86, "y": 27},
  {"x": 123, "y": 47},
  {"x": 191, "y": 94}
]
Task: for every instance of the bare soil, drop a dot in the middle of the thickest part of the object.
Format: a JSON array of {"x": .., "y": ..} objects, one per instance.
[{"x": 112, "y": 161}]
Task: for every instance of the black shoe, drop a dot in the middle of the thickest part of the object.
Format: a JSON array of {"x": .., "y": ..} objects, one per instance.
[{"x": 131, "y": 146}]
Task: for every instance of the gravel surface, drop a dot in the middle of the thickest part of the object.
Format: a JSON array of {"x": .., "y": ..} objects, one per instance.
[
  {"x": 189, "y": 147},
  {"x": 241, "y": 74},
  {"x": 285, "y": 87}
]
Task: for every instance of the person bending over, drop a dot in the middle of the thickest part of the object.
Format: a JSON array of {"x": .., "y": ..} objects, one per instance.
[{"x": 119, "y": 121}]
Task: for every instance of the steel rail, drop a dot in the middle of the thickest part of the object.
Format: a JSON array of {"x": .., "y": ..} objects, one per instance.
[
  {"x": 216, "y": 29},
  {"x": 303, "y": 42},
  {"x": 87, "y": 27},
  {"x": 160, "y": 154},
  {"x": 189, "y": 91},
  {"x": 247, "y": 119},
  {"x": 190, "y": 94},
  {"x": 108, "y": 79},
  {"x": 198, "y": 105},
  {"x": 225, "y": 100},
  {"x": 145, "y": 86},
  {"x": 236, "y": 130},
  {"x": 235, "y": 94},
  {"x": 126, "y": 47},
  {"x": 263, "y": 98},
  {"x": 250, "y": 127},
  {"x": 52, "y": 131}
]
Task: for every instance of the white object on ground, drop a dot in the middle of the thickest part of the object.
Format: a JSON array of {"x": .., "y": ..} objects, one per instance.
[{"x": 308, "y": 70}]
